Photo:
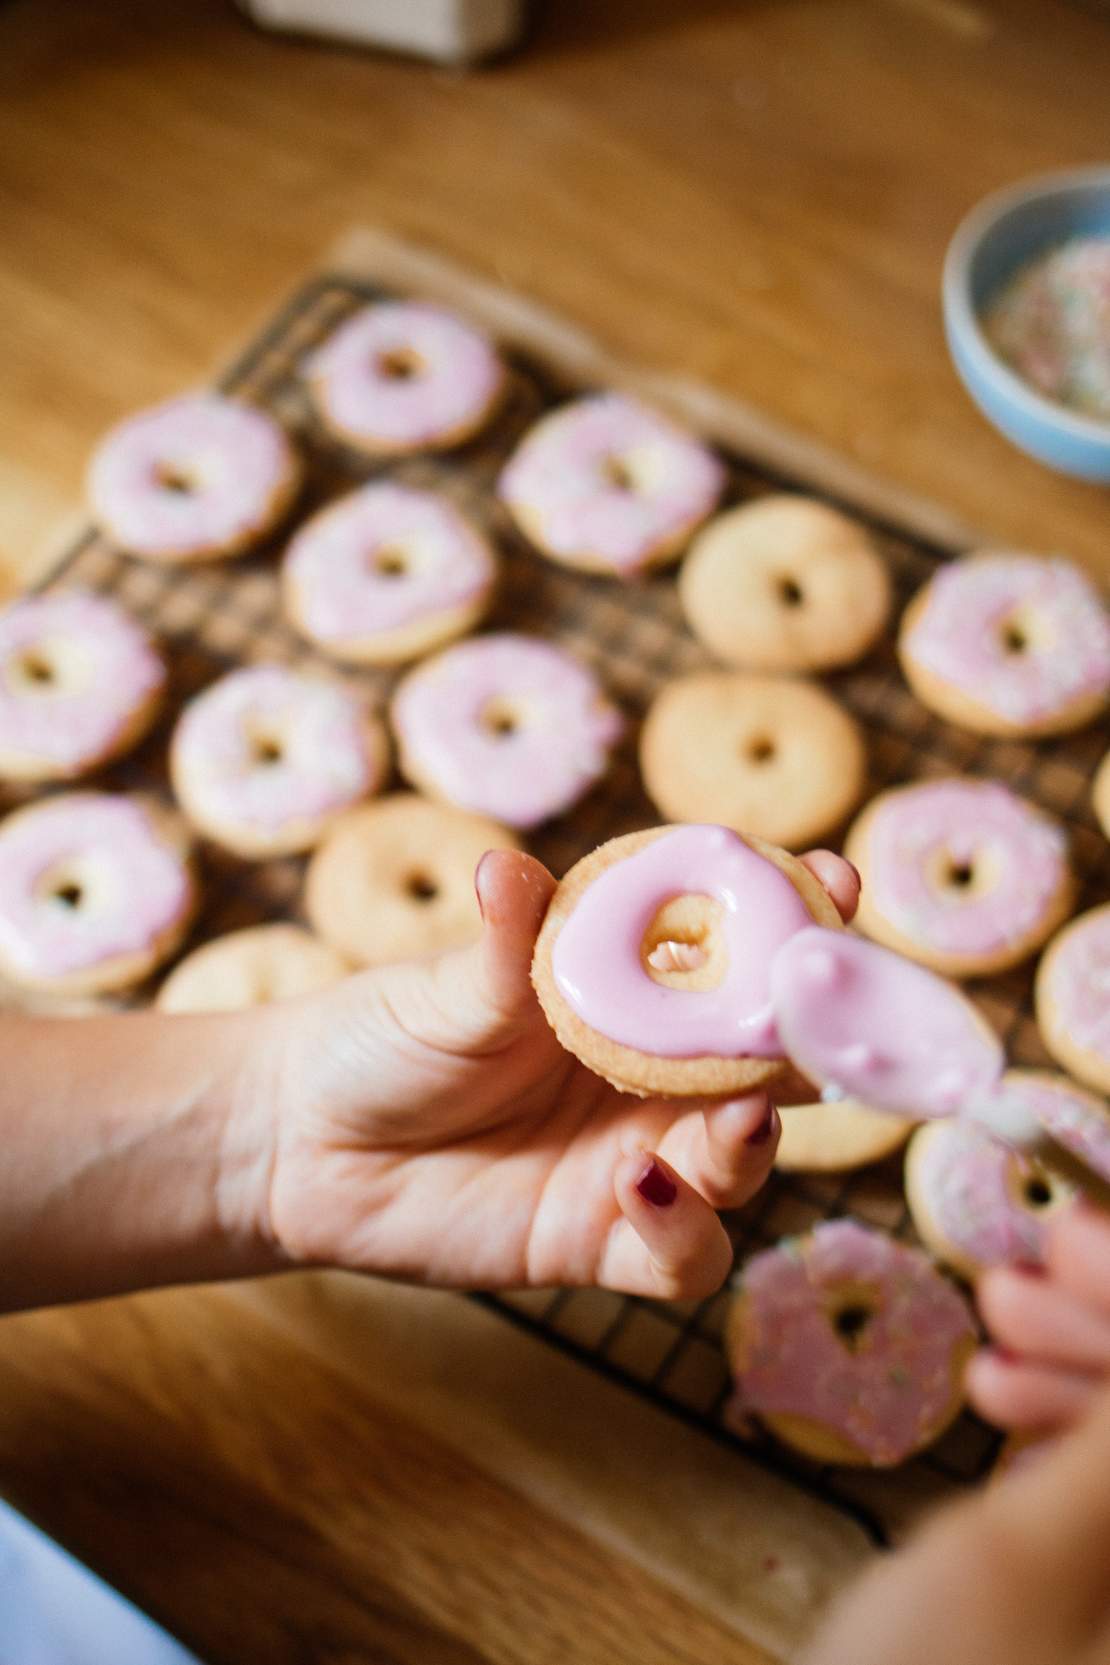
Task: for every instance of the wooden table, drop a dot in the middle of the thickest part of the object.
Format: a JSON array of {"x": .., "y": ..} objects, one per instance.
[{"x": 757, "y": 195}]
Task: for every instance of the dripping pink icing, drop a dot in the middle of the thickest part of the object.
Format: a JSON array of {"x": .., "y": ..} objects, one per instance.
[
  {"x": 105, "y": 670},
  {"x": 237, "y": 457},
  {"x": 596, "y": 959},
  {"x": 871, "y": 1025},
  {"x": 455, "y": 377},
  {"x": 959, "y": 635},
  {"x": 1077, "y": 1120},
  {"x": 559, "y": 744},
  {"x": 327, "y": 761},
  {"x": 888, "y": 1395},
  {"x": 135, "y": 887},
  {"x": 340, "y": 592},
  {"x": 1078, "y": 981},
  {"x": 970, "y": 1183},
  {"x": 560, "y": 481},
  {"x": 915, "y": 831}
]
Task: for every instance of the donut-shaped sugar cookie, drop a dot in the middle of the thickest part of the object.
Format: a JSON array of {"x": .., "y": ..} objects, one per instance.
[
  {"x": 1100, "y": 794},
  {"x": 848, "y": 1346},
  {"x": 95, "y": 892},
  {"x": 507, "y": 726},
  {"x": 785, "y": 584},
  {"x": 80, "y": 683},
  {"x": 387, "y": 574},
  {"x": 394, "y": 880},
  {"x": 977, "y": 1202},
  {"x": 770, "y": 756},
  {"x": 1072, "y": 993},
  {"x": 199, "y": 478},
  {"x": 607, "y": 485},
  {"x": 1008, "y": 644},
  {"x": 1076, "y": 1120},
  {"x": 265, "y": 759},
  {"x": 960, "y": 874},
  {"x": 653, "y": 963},
  {"x": 254, "y": 967},
  {"x": 403, "y": 376},
  {"x": 832, "y": 1138}
]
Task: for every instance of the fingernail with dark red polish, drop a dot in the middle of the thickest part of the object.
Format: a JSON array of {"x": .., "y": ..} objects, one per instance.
[
  {"x": 656, "y": 1187},
  {"x": 761, "y": 1134}
]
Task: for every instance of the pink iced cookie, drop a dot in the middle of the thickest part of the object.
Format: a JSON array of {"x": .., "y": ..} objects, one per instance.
[
  {"x": 403, "y": 376},
  {"x": 866, "y": 1024},
  {"x": 1073, "y": 997},
  {"x": 80, "y": 683},
  {"x": 962, "y": 875},
  {"x": 1009, "y": 644},
  {"x": 195, "y": 479},
  {"x": 386, "y": 574},
  {"x": 506, "y": 726},
  {"x": 608, "y": 485},
  {"x": 849, "y": 1346},
  {"x": 95, "y": 891},
  {"x": 977, "y": 1202},
  {"x": 265, "y": 759},
  {"x": 1078, "y": 1121}
]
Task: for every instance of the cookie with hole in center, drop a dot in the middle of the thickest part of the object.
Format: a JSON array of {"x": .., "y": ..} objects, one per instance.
[
  {"x": 1072, "y": 995},
  {"x": 775, "y": 757},
  {"x": 394, "y": 879},
  {"x": 253, "y": 967},
  {"x": 848, "y": 1346},
  {"x": 977, "y": 1202},
  {"x": 836, "y": 1136},
  {"x": 961, "y": 875},
  {"x": 653, "y": 962},
  {"x": 1008, "y": 644},
  {"x": 785, "y": 584}
]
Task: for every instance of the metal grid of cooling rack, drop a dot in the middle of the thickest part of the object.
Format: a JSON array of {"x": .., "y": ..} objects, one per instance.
[{"x": 212, "y": 618}]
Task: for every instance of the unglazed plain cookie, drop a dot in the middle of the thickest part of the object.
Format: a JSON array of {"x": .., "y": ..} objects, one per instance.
[
  {"x": 265, "y": 759},
  {"x": 1072, "y": 994},
  {"x": 833, "y": 1138},
  {"x": 848, "y": 1346},
  {"x": 770, "y": 756},
  {"x": 403, "y": 376},
  {"x": 95, "y": 892},
  {"x": 1100, "y": 794},
  {"x": 394, "y": 880},
  {"x": 80, "y": 683},
  {"x": 607, "y": 485},
  {"x": 199, "y": 478},
  {"x": 977, "y": 1202},
  {"x": 1008, "y": 644},
  {"x": 504, "y": 725},
  {"x": 387, "y": 574},
  {"x": 653, "y": 963},
  {"x": 785, "y": 584},
  {"x": 254, "y": 967},
  {"x": 960, "y": 874}
]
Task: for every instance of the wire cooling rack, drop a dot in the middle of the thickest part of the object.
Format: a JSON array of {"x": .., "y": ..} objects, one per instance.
[{"x": 213, "y": 618}]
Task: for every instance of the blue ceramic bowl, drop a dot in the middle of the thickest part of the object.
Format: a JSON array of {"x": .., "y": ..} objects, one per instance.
[{"x": 997, "y": 237}]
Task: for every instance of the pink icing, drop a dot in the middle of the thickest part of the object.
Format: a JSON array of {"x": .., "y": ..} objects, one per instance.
[
  {"x": 454, "y": 378},
  {"x": 915, "y": 833},
  {"x": 560, "y": 482},
  {"x": 960, "y": 635},
  {"x": 326, "y": 760},
  {"x": 596, "y": 959},
  {"x": 341, "y": 592},
  {"x": 236, "y": 457},
  {"x": 866, "y": 1023},
  {"x": 1075, "y": 1119},
  {"x": 1077, "y": 981},
  {"x": 558, "y": 745},
  {"x": 971, "y": 1184},
  {"x": 889, "y": 1393},
  {"x": 134, "y": 886},
  {"x": 105, "y": 669}
]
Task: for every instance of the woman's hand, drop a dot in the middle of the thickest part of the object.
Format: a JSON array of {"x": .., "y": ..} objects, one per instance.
[{"x": 422, "y": 1121}]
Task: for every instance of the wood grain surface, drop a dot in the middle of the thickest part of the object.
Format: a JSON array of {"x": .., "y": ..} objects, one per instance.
[{"x": 753, "y": 194}]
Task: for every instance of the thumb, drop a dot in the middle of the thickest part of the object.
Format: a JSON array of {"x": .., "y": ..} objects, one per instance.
[{"x": 513, "y": 893}]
